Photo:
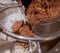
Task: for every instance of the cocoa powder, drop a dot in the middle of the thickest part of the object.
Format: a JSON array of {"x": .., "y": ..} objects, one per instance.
[
  {"x": 22, "y": 28},
  {"x": 42, "y": 10}
]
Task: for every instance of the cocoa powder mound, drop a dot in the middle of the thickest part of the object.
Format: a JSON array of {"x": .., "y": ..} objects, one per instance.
[
  {"x": 16, "y": 26},
  {"x": 22, "y": 28}
]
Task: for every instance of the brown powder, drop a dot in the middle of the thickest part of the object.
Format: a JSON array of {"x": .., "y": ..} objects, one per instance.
[
  {"x": 16, "y": 26},
  {"x": 24, "y": 44},
  {"x": 42, "y": 10},
  {"x": 25, "y": 31},
  {"x": 22, "y": 28}
]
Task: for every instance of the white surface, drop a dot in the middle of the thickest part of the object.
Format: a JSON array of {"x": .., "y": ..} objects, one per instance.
[
  {"x": 2, "y": 36},
  {"x": 19, "y": 49},
  {"x": 12, "y": 18},
  {"x": 7, "y": 51}
]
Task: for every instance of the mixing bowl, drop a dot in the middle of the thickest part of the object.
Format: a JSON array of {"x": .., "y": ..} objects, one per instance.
[
  {"x": 9, "y": 15},
  {"x": 13, "y": 13}
]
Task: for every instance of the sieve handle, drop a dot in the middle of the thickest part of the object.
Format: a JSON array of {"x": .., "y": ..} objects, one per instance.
[
  {"x": 30, "y": 47},
  {"x": 39, "y": 47}
]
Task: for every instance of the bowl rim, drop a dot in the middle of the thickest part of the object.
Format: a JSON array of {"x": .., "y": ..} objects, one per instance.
[
  {"x": 51, "y": 21},
  {"x": 36, "y": 38}
]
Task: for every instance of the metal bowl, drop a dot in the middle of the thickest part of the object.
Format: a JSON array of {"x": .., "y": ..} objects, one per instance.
[
  {"x": 49, "y": 28},
  {"x": 6, "y": 22}
]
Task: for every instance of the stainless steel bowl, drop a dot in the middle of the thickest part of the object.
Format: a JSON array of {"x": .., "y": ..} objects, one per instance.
[
  {"x": 6, "y": 28},
  {"x": 49, "y": 28},
  {"x": 6, "y": 21}
]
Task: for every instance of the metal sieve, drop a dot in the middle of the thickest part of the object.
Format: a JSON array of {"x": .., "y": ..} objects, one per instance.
[{"x": 49, "y": 28}]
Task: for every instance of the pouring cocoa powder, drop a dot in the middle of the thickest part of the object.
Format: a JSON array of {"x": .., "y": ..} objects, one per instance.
[{"x": 42, "y": 10}]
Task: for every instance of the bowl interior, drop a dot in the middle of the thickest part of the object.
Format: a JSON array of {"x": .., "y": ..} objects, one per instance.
[{"x": 9, "y": 16}]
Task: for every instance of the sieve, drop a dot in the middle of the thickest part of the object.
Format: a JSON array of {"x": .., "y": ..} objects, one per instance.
[
  {"x": 50, "y": 28},
  {"x": 6, "y": 22}
]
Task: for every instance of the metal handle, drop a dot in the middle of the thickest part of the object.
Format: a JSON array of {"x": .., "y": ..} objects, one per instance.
[
  {"x": 38, "y": 47},
  {"x": 30, "y": 47}
]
